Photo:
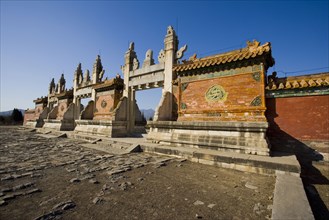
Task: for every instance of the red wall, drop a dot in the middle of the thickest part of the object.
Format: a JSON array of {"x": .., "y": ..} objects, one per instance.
[
  {"x": 303, "y": 118},
  {"x": 29, "y": 115}
]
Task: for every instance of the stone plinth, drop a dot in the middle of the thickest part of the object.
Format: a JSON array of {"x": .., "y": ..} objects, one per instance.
[
  {"x": 102, "y": 127},
  {"x": 240, "y": 137},
  {"x": 59, "y": 125}
]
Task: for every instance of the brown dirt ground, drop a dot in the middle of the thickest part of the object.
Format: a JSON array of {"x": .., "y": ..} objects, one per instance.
[{"x": 176, "y": 190}]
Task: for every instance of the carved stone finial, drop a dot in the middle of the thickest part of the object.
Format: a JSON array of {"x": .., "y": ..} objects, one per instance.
[
  {"x": 132, "y": 46},
  {"x": 180, "y": 52},
  {"x": 148, "y": 58},
  {"x": 52, "y": 86},
  {"x": 98, "y": 71},
  {"x": 61, "y": 84},
  {"x": 170, "y": 30},
  {"x": 86, "y": 78},
  {"x": 135, "y": 64},
  {"x": 78, "y": 74},
  {"x": 101, "y": 74},
  {"x": 161, "y": 56}
]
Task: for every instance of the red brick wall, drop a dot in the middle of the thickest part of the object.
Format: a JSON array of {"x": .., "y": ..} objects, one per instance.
[
  {"x": 303, "y": 118},
  {"x": 38, "y": 110},
  {"x": 241, "y": 90},
  {"x": 29, "y": 115},
  {"x": 62, "y": 107},
  {"x": 104, "y": 111}
]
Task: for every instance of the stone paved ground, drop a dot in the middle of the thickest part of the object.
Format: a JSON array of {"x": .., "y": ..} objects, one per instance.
[{"x": 58, "y": 178}]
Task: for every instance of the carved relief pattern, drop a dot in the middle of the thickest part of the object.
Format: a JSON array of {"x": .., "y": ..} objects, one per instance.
[
  {"x": 257, "y": 101},
  {"x": 161, "y": 57},
  {"x": 216, "y": 93},
  {"x": 184, "y": 86},
  {"x": 256, "y": 76},
  {"x": 183, "y": 105},
  {"x": 103, "y": 104},
  {"x": 135, "y": 64}
]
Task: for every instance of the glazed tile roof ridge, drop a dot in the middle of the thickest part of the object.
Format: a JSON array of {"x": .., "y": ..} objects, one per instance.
[
  {"x": 41, "y": 99},
  {"x": 298, "y": 82},
  {"x": 108, "y": 82},
  {"x": 65, "y": 93},
  {"x": 252, "y": 50}
]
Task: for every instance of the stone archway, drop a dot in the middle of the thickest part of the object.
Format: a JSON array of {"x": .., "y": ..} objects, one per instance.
[{"x": 151, "y": 75}]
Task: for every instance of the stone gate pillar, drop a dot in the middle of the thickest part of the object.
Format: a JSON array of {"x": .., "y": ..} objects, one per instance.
[
  {"x": 129, "y": 92},
  {"x": 170, "y": 43},
  {"x": 77, "y": 79}
]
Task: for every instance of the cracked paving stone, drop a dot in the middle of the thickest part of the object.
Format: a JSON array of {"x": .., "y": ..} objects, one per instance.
[
  {"x": 198, "y": 202},
  {"x": 3, "y": 203},
  {"x": 97, "y": 200},
  {"x": 94, "y": 181},
  {"x": 75, "y": 180},
  {"x": 32, "y": 191},
  {"x": 8, "y": 197}
]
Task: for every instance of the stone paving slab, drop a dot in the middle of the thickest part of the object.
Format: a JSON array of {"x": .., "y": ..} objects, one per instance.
[{"x": 290, "y": 201}]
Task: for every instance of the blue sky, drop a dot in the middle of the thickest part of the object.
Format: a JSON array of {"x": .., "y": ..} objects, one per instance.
[{"x": 43, "y": 39}]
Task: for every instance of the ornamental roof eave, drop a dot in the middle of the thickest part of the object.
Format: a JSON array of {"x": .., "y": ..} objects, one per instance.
[
  {"x": 65, "y": 94},
  {"x": 41, "y": 100},
  {"x": 252, "y": 51},
  {"x": 298, "y": 82},
  {"x": 115, "y": 83}
]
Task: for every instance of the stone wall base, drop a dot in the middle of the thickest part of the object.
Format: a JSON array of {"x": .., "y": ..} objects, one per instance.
[
  {"x": 31, "y": 124},
  {"x": 240, "y": 137},
  {"x": 102, "y": 127},
  {"x": 59, "y": 125},
  {"x": 38, "y": 123}
]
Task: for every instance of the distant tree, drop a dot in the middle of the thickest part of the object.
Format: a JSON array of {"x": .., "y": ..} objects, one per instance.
[
  {"x": 17, "y": 115},
  {"x": 143, "y": 119},
  {"x": 2, "y": 119},
  {"x": 150, "y": 119}
]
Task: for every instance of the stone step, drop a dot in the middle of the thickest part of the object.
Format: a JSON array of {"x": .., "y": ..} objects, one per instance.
[{"x": 244, "y": 162}]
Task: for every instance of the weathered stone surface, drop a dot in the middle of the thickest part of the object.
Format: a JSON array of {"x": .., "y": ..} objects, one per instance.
[
  {"x": 250, "y": 186},
  {"x": 198, "y": 202},
  {"x": 3, "y": 203},
  {"x": 97, "y": 200},
  {"x": 242, "y": 137},
  {"x": 290, "y": 188},
  {"x": 75, "y": 180},
  {"x": 211, "y": 206},
  {"x": 32, "y": 191}
]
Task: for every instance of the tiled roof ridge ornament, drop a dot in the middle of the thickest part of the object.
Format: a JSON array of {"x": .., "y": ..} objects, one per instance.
[
  {"x": 193, "y": 58},
  {"x": 252, "y": 46},
  {"x": 298, "y": 82}
]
